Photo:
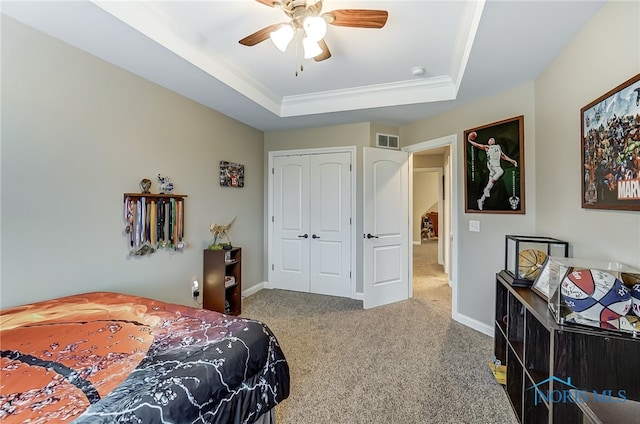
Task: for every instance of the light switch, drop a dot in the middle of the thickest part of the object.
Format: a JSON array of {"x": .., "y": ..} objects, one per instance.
[{"x": 474, "y": 226}]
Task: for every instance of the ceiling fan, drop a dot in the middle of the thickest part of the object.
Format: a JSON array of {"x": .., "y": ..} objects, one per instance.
[{"x": 307, "y": 20}]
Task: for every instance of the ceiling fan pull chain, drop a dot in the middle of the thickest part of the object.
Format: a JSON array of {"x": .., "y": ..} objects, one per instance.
[
  {"x": 295, "y": 40},
  {"x": 298, "y": 52}
]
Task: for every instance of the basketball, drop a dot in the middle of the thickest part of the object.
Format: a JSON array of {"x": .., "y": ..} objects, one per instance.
[
  {"x": 530, "y": 263},
  {"x": 635, "y": 299},
  {"x": 630, "y": 279},
  {"x": 595, "y": 295},
  {"x": 472, "y": 135}
]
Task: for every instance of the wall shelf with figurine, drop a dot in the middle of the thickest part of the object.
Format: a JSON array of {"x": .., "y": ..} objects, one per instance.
[{"x": 154, "y": 221}]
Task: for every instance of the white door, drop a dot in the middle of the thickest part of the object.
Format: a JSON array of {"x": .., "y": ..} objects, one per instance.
[
  {"x": 330, "y": 200},
  {"x": 311, "y": 242},
  {"x": 290, "y": 266},
  {"x": 386, "y": 226}
]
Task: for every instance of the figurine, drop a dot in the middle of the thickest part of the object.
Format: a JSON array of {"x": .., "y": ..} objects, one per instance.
[
  {"x": 145, "y": 185},
  {"x": 166, "y": 186},
  {"x": 219, "y": 231}
]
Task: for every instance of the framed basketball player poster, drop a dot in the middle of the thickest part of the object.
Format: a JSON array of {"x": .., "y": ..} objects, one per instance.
[
  {"x": 610, "y": 149},
  {"x": 494, "y": 167}
]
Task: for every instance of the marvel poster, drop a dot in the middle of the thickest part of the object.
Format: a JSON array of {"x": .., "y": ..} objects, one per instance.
[{"x": 611, "y": 149}]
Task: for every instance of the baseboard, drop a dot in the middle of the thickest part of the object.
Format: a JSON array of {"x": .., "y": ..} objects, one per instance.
[
  {"x": 474, "y": 324},
  {"x": 254, "y": 289}
]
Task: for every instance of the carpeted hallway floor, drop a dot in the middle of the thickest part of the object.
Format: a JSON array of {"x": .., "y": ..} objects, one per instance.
[
  {"x": 403, "y": 363},
  {"x": 430, "y": 283}
]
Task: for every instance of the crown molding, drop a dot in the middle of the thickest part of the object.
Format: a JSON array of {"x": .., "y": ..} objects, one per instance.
[{"x": 380, "y": 95}]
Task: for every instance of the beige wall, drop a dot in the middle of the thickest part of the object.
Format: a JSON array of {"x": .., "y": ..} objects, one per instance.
[
  {"x": 602, "y": 56},
  {"x": 76, "y": 134},
  {"x": 428, "y": 161},
  {"x": 312, "y": 138}
]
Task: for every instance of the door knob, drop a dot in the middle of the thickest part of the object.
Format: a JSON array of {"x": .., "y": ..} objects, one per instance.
[
  {"x": 304, "y": 236},
  {"x": 370, "y": 236},
  {"x": 315, "y": 236}
]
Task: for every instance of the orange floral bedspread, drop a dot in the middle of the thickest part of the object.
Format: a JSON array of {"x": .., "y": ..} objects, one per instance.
[{"x": 109, "y": 357}]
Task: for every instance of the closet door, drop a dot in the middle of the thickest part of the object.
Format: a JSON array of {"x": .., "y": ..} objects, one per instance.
[
  {"x": 330, "y": 223},
  {"x": 291, "y": 238},
  {"x": 312, "y": 223}
]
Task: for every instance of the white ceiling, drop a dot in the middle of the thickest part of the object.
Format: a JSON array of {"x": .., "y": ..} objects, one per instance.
[{"x": 469, "y": 50}]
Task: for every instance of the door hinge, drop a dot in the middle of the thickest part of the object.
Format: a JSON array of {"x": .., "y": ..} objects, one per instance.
[
  {"x": 350, "y": 168},
  {"x": 273, "y": 171},
  {"x": 349, "y": 274},
  {"x": 272, "y": 267},
  {"x": 272, "y": 219}
]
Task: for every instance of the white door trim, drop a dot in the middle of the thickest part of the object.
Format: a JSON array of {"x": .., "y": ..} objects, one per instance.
[
  {"x": 452, "y": 142},
  {"x": 269, "y": 212}
]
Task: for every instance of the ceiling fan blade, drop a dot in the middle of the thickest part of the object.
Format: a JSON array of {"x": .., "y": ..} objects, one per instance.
[
  {"x": 359, "y": 18},
  {"x": 266, "y": 2},
  {"x": 326, "y": 54},
  {"x": 258, "y": 36}
]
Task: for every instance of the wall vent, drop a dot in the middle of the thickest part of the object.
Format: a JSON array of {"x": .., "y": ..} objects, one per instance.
[{"x": 387, "y": 141}]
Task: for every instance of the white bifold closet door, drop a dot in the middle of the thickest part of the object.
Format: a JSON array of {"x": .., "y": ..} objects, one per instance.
[{"x": 312, "y": 221}]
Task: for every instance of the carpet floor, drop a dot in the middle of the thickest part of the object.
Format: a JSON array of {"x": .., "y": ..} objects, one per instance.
[{"x": 404, "y": 363}]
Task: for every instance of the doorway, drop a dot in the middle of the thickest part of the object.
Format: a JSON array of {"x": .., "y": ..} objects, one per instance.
[
  {"x": 440, "y": 273},
  {"x": 430, "y": 280}
]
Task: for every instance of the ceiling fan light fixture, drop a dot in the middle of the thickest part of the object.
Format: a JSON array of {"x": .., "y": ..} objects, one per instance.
[
  {"x": 307, "y": 27},
  {"x": 282, "y": 36},
  {"x": 311, "y": 48},
  {"x": 315, "y": 27}
]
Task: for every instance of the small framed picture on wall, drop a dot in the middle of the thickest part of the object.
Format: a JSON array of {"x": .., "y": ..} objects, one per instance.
[{"x": 231, "y": 174}]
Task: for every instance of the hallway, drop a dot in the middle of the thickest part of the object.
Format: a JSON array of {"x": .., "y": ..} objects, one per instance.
[{"x": 429, "y": 280}]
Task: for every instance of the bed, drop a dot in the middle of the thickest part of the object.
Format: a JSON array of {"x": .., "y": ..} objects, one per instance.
[{"x": 106, "y": 357}]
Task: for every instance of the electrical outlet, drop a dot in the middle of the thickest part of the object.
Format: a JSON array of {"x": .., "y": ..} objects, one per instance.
[{"x": 195, "y": 289}]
